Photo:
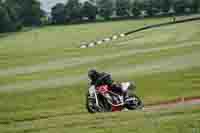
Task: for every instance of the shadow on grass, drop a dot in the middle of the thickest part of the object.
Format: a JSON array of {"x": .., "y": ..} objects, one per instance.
[{"x": 24, "y": 30}]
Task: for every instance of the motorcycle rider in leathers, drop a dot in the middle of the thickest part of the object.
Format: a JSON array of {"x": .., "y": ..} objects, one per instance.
[{"x": 98, "y": 79}]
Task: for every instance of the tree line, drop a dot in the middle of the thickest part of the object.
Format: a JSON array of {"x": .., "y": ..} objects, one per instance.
[
  {"x": 75, "y": 11},
  {"x": 15, "y": 14}
]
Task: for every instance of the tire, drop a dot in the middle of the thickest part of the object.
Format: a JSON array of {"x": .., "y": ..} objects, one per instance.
[
  {"x": 90, "y": 104},
  {"x": 137, "y": 103},
  {"x": 104, "y": 106}
]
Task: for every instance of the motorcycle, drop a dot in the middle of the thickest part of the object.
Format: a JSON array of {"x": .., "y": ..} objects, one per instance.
[{"x": 103, "y": 99}]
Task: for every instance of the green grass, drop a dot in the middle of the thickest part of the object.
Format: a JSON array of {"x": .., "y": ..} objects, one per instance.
[
  {"x": 43, "y": 77},
  {"x": 182, "y": 119}
]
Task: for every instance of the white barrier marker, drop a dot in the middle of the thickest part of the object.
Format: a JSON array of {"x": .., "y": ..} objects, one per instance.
[
  {"x": 107, "y": 39},
  {"x": 114, "y": 37},
  {"x": 122, "y": 35},
  {"x": 99, "y": 42},
  {"x": 91, "y": 45},
  {"x": 83, "y": 46}
]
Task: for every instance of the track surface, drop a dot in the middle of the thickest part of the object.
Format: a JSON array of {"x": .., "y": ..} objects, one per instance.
[
  {"x": 172, "y": 104},
  {"x": 173, "y": 54},
  {"x": 188, "y": 101}
]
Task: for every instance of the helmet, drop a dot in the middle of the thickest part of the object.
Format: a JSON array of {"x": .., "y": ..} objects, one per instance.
[{"x": 93, "y": 74}]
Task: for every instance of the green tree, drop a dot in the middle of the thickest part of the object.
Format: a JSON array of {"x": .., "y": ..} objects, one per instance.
[
  {"x": 73, "y": 10},
  {"x": 180, "y": 6},
  {"x": 151, "y": 8},
  {"x": 136, "y": 8},
  {"x": 166, "y": 5},
  {"x": 14, "y": 12},
  {"x": 5, "y": 19},
  {"x": 58, "y": 14},
  {"x": 195, "y": 6},
  {"x": 105, "y": 8},
  {"x": 29, "y": 11},
  {"x": 123, "y": 7},
  {"x": 89, "y": 10},
  {"x": 32, "y": 12},
  {"x": 9, "y": 17}
]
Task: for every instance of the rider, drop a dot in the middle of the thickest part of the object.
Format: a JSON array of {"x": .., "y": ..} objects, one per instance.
[{"x": 98, "y": 79}]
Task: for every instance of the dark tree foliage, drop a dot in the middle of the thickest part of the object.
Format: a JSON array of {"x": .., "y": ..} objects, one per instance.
[
  {"x": 105, "y": 8},
  {"x": 165, "y": 5},
  {"x": 180, "y": 6},
  {"x": 14, "y": 14},
  {"x": 18, "y": 13},
  {"x": 195, "y": 6},
  {"x": 58, "y": 14},
  {"x": 136, "y": 8},
  {"x": 151, "y": 8},
  {"x": 73, "y": 10},
  {"x": 89, "y": 10},
  {"x": 123, "y": 7},
  {"x": 5, "y": 19},
  {"x": 28, "y": 11},
  {"x": 31, "y": 12},
  {"x": 9, "y": 17},
  {"x": 14, "y": 9}
]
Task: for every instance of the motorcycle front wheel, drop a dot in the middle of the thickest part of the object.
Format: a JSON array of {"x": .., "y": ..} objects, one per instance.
[
  {"x": 91, "y": 106},
  {"x": 134, "y": 102}
]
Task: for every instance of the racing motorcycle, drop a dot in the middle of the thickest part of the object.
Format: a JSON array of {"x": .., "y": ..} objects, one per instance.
[{"x": 102, "y": 99}]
